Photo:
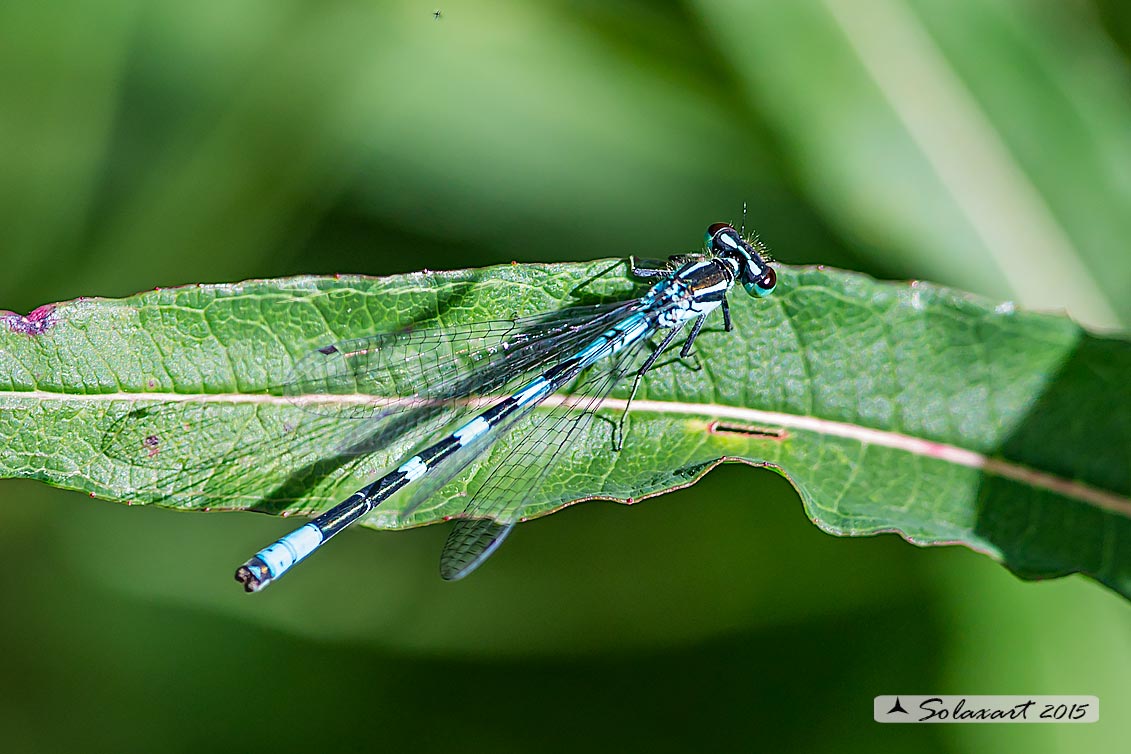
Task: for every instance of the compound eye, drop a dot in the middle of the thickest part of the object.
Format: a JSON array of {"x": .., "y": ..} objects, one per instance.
[{"x": 764, "y": 284}]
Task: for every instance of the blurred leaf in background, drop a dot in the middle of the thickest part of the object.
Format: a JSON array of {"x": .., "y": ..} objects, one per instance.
[{"x": 979, "y": 143}]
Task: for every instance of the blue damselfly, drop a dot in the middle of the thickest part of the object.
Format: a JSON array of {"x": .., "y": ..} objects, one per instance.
[
  {"x": 518, "y": 396},
  {"x": 542, "y": 356}
]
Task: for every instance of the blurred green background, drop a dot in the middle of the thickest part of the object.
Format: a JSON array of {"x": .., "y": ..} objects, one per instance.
[{"x": 984, "y": 144}]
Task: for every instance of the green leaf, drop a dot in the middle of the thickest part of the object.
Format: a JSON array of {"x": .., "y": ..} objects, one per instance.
[{"x": 891, "y": 407}]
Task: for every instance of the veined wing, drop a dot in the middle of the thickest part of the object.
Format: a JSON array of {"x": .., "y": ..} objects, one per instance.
[
  {"x": 424, "y": 382},
  {"x": 543, "y": 353},
  {"x": 429, "y": 365},
  {"x": 418, "y": 381},
  {"x": 541, "y": 443}
]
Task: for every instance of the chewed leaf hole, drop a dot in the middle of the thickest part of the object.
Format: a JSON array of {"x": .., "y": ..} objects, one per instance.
[{"x": 750, "y": 430}]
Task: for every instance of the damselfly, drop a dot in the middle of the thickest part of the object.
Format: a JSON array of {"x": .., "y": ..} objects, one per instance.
[{"x": 586, "y": 352}]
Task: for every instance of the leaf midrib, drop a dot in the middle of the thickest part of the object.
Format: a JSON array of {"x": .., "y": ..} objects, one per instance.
[{"x": 917, "y": 446}]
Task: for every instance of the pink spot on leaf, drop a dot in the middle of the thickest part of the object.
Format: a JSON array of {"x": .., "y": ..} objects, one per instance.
[{"x": 38, "y": 322}]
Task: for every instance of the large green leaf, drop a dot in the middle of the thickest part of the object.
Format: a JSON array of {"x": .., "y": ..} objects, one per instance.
[{"x": 891, "y": 407}]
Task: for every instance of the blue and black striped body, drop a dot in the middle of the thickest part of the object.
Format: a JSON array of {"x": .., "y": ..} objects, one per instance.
[{"x": 686, "y": 294}]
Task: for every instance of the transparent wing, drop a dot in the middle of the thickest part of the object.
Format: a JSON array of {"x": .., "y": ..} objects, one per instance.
[
  {"x": 220, "y": 454},
  {"x": 548, "y": 350},
  {"x": 384, "y": 373},
  {"x": 422, "y": 382},
  {"x": 357, "y": 383},
  {"x": 387, "y": 391},
  {"x": 544, "y": 442},
  {"x": 469, "y": 545}
]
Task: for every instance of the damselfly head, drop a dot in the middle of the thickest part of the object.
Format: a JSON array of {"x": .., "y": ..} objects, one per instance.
[{"x": 755, "y": 274}]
